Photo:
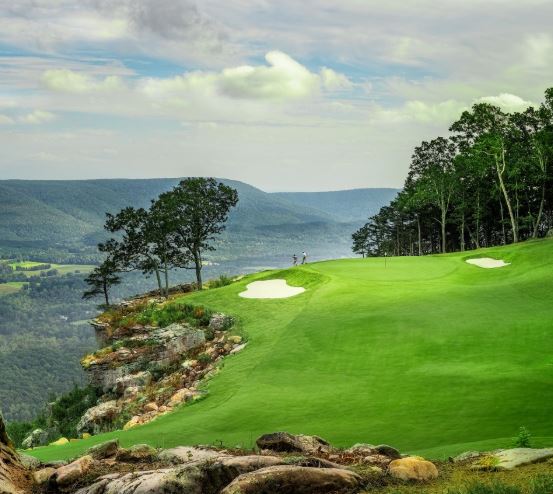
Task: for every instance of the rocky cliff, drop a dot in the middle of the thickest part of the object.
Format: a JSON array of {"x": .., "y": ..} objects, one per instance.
[
  {"x": 155, "y": 355},
  {"x": 14, "y": 478}
]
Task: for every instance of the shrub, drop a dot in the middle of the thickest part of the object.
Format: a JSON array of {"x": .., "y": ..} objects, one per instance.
[
  {"x": 223, "y": 280},
  {"x": 523, "y": 440},
  {"x": 204, "y": 358}
]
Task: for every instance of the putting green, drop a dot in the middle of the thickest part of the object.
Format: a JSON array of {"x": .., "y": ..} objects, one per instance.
[{"x": 429, "y": 354}]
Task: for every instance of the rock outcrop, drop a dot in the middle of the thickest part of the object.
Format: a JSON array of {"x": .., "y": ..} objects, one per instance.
[
  {"x": 286, "y": 442},
  {"x": 509, "y": 459},
  {"x": 14, "y": 478}
]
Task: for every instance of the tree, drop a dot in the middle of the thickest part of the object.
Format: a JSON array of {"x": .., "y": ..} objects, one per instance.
[
  {"x": 432, "y": 172},
  {"x": 361, "y": 240},
  {"x": 198, "y": 208},
  {"x": 146, "y": 243},
  {"x": 488, "y": 130},
  {"x": 101, "y": 279}
]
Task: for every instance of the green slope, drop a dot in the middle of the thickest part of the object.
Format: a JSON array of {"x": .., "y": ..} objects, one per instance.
[{"x": 428, "y": 354}]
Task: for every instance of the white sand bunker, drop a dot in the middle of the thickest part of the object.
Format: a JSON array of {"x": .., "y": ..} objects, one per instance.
[
  {"x": 488, "y": 262},
  {"x": 271, "y": 289}
]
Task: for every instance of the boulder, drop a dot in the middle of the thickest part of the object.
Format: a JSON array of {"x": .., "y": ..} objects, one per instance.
[
  {"x": 508, "y": 459},
  {"x": 137, "y": 453},
  {"x": 289, "y": 443},
  {"x": 289, "y": 479},
  {"x": 200, "y": 477},
  {"x": 413, "y": 468},
  {"x": 29, "y": 462},
  {"x": 468, "y": 455},
  {"x": 137, "y": 380},
  {"x": 133, "y": 422},
  {"x": 104, "y": 450},
  {"x": 62, "y": 441},
  {"x": 68, "y": 474},
  {"x": 180, "y": 396},
  {"x": 384, "y": 449},
  {"x": 220, "y": 322},
  {"x": 151, "y": 407},
  {"x": 43, "y": 475},
  {"x": 238, "y": 348},
  {"x": 99, "y": 418},
  {"x": 187, "y": 454},
  {"x": 36, "y": 438},
  {"x": 13, "y": 476}
]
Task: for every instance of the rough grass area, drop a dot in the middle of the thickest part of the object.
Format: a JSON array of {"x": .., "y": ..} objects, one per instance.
[
  {"x": 460, "y": 479},
  {"x": 429, "y": 354},
  {"x": 10, "y": 287}
]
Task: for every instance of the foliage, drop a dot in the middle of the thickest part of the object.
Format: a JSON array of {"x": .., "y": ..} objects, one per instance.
[
  {"x": 488, "y": 184},
  {"x": 66, "y": 411},
  {"x": 523, "y": 440},
  {"x": 223, "y": 280},
  {"x": 102, "y": 279},
  {"x": 492, "y": 488},
  {"x": 173, "y": 312}
]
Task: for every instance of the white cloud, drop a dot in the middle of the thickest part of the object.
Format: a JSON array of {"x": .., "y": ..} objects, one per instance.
[
  {"x": 283, "y": 78},
  {"x": 37, "y": 117},
  {"x": 507, "y": 102},
  {"x": 65, "y": 80}
]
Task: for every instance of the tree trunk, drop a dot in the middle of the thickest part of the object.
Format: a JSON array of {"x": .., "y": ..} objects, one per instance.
[
  {"x": 477, "y": 233},
  {"x": 540, "y": 213},
  {"x": 158, "y": 278},
  {"x": 198, "y": 266},
  {"x": 502, "y": 222},
  {"x": 442, "y": 224},
  {"x": 106, "y": 294},
  {"x": 166, "y": 272},
  {"x": 419, "y": 231},
  {"x": 500, "y": 170},
  {"x": 463, "y": 231}
]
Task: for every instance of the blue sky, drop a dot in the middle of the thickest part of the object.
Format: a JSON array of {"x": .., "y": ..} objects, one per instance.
[{"x": 285, "y": 95}]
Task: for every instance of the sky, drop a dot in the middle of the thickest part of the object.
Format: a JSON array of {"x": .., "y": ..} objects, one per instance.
[{"x": 284, "y": 95}]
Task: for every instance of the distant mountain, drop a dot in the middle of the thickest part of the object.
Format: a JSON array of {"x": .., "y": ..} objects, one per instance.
[
  {"x": 69, "y": 214},
  {"x": 343, "y": 205}
]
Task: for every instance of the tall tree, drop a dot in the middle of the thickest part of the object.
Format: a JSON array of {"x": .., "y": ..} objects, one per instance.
[
  {"x": 101, "y": 279},
  {"x": 432, "y": 171},
  {"x": 198, "y": 208},
  {"x": 362, "y": 240}
]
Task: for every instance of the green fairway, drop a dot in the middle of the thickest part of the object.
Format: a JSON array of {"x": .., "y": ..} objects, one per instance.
[
  {"x": 61, "y": 268},
  {"x": 429, "y": 354}
]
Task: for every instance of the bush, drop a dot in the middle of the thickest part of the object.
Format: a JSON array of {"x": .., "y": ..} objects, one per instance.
[
  {"x": 223, "y": 280},
  {"x": 523, "y": 440},
  {"x": 204, "y": 358}
]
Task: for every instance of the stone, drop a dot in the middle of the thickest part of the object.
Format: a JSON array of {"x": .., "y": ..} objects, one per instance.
[
  {"x": 151, "y": 407},
  {"x": 74, "y": 471},
  {"x": 86, "y": 435},
  {"x": 413, "y": 468},
  {"x": 135, "y": 381},
  {"x": 289, "y": 443},
  {"x": 384, "y": 449},
  {"x": 187, "y": 454},
  {"x": 29, "y": 462},
  {"x": 13, "y": 475},
  {"x": 180, "y": 396},
  {"x": 508, "y": 459},
  {"x": 361, "y": 449},
  {"x": 468, "y": 455},
  {"x": 289, "y": 479},
  {"x": 44, "y": 475},
  {"x": 200, "y": 477},
  {"x": 131, "y": 392},
  {"x": 238, "y": 348},
  {"x": 133, "y": 422},
  {"x": 104, "y": 450},
  {"x": 137, "y": 453},
  {"x": 60, "y": 442},
  {"x": 220, "y": 322},
  {"x": 38, "y": 437},
  {"x": 235, "y": 339},
  {"x": 99, "y": 418}
]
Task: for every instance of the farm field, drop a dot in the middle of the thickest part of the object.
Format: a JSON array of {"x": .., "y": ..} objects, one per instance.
[{"x": 430, "y": 354}]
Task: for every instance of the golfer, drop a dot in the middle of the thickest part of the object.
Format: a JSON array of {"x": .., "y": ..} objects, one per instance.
[
  {"x": 304, "y": 257},
  {"x": 295, "y": 260}
]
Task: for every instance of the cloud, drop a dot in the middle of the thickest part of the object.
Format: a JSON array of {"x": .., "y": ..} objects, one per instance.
[
  {"x": 65, "y": 80},
  {"x": 5, "y": 120},
  {"x": 37, "y": 117},
  {"x": 283, "y": 78},
  {"x": 507, "y": 102}
]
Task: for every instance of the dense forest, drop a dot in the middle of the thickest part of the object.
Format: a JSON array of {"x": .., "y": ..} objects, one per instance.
[{"x": 487, "y": 183}]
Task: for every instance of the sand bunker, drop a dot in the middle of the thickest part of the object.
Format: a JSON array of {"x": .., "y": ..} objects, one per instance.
[
  {"x": 271, "y": 289},
  {"x": 488, "y": 262}
]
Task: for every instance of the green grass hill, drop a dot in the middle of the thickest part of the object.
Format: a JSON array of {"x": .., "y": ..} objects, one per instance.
[{"x": 429, "y": 354}]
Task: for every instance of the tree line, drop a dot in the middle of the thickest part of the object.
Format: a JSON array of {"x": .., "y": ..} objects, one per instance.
[
  {"x": 487, "y": 183},
  {"x": 175, "y": 232}
]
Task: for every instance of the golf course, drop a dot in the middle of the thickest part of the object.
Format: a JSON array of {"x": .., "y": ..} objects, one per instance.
[{"x": 430, "y": 354}]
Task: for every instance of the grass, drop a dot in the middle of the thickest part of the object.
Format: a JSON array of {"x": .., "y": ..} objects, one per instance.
[
  {"x": 10, "y": 287},
  {"x": 432, "y": 355}
]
